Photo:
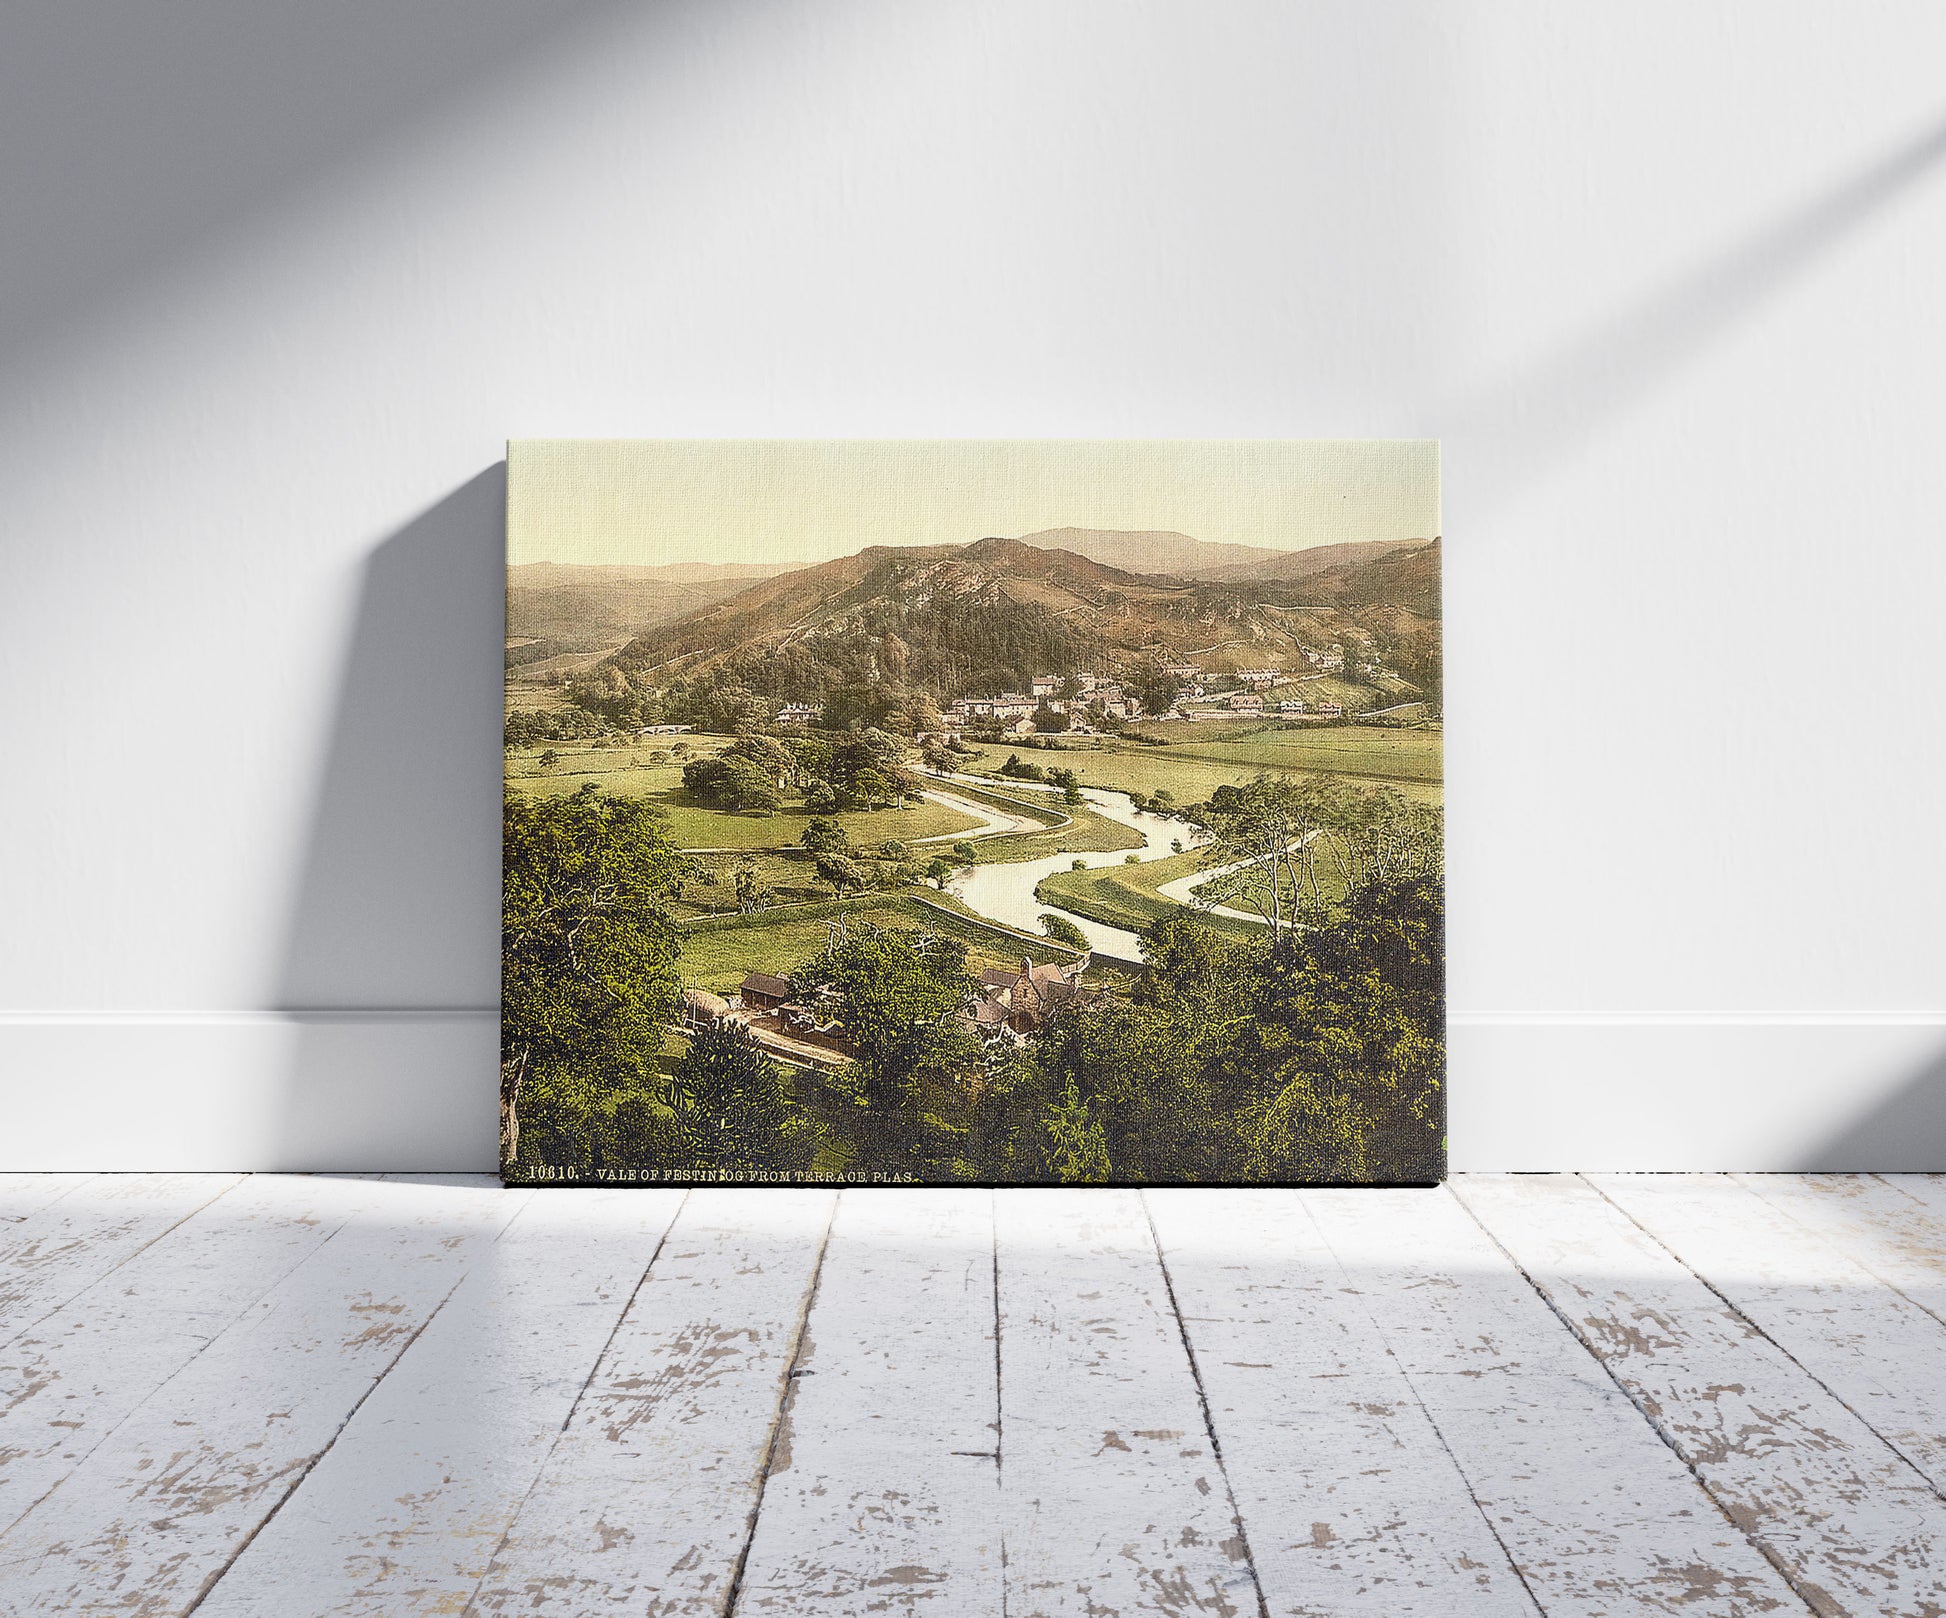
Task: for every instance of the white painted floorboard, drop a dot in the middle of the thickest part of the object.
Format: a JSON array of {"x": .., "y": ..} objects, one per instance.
[{"x": 1719, "y": 1395}]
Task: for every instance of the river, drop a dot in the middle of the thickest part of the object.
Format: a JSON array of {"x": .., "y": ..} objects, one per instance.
[{"x": 1005, "y": 892}]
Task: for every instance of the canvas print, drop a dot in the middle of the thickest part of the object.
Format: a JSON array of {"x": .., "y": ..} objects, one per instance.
[{"x": 973, "y": 812}]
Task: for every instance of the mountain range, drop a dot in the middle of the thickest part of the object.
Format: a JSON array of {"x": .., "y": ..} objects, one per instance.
[
  {"x": 586, "y": 606},
  {"x": 954, "y": 619},
  {"x": 1165, "y": 551}
]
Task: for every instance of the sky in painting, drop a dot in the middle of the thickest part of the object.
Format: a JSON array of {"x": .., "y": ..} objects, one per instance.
[{"x": 648, "y": 502}]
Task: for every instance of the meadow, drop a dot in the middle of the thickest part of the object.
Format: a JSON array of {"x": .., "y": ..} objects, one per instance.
[
  {"x": 1407, "y": 760},
  {"x": 718, "y": 953},
  {"x": 1127, "y": 895},
  {"x": 629, "y": 772}
]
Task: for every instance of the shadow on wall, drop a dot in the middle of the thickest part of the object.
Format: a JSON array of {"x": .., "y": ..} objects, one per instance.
[
  {"x": 135, "y": 140},
  {"x": 1905, "y": 1133},
  {"x": 391, "y": 967}
]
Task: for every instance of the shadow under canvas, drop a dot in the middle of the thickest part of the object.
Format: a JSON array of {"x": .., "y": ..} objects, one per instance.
[{"x": 390, "y": 976}]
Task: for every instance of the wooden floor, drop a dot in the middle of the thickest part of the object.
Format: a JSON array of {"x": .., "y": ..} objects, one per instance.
[{"x": 1540, "y": 1394}]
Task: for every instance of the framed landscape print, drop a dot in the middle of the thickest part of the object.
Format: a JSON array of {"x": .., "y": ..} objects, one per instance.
[{"x": 982, "y": 812}]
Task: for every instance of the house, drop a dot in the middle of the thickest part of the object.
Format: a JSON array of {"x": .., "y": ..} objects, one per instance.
[
  {"x": 986, "y": 1016},
  {"x": 1019, "y": 727},
  {"x": 1045, "y": 685},
  {"x": 797, "y": 713},
  {"x": 1332, "y": 657},
  {"x": 1032, "y": 994},
  {"x": 1331, "y": 710},
  {"x": 1243, "y": 702},
  {"x": 764, "y": 991},
  {"x": 1183, "y": 671},
  {"x": 1291, "y": 705},
  {"x": 666, "y": 730},
  {"x": 1259, "y": 678}
]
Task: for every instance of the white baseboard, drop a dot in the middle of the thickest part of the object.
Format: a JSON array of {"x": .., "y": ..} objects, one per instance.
[
  {"x": 250, "y": 1090},
  {"x": 415, "y": 1090}
]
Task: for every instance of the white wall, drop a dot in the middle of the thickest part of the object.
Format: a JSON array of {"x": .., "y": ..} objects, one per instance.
[{"x": 279, "y": 282}]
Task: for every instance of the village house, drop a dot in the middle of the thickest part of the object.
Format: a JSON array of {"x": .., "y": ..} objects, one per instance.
[
  {"x": 1331, "y": 710},
  {"x": 1020, "y": 727},
  {"x": 1332, "y": 657},
  {"x": 1045, "y": 685},
  {"x": 1246, "y": 702},
  {"x": 797, "y": 713},
  {"x": 1291, "y": 705},
  {"x": 764, "y": 991},
  {"x": 1029, "y": 995},
  {"x": 1182, "y": 671},
  {"x": 1259, "y": 678}
]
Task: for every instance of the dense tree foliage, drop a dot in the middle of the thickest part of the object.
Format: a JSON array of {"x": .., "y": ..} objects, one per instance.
[
  {"x": 901, "y": 1103},
  {"x": 588, "y": 980},
  {"x": 733, "y": 1108}
]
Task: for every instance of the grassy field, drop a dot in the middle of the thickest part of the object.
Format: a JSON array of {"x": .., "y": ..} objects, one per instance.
[
  {"x": 1407, "y": 760},
  {"x": 1395, "y": 755},
  {"x": 628, "y": 773},
  {"x": 1126, "y": 896},
  {"x": 717, "y": 955}
]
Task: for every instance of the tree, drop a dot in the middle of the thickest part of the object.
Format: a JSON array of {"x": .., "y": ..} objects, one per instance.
[
  {"x": 749, "y": 786},
  {"x": 893, "y": 849},
  {"x": 819, "y": 798},
  {"x": 844, "y": 874},
  {"x": 1266, "y": 824},
  {"x": 750, "y": 890},
  {"x": 823, "y": 836},
  {"x": 899, "y": 995},
  {"x": 871, "y": 788},
  {"x": 1063, "y": 931},
  {"x": 940, "y": 871},
  {"x": 1156, "y": 688},
  {"x": 966, "y": 853},
  {"x": 1049, "y": 721},
  {"x": 549, "y": 759},
  {"x": 587, "y": 966},
  {"x": 733, "y": 1107}
]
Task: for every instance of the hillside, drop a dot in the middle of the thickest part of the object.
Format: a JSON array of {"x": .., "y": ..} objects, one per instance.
[
  {"x": 1406, "y": 578},
  {"x": 1315, "y": 559},
  {"x": 1156, "y": 551},
  {"x": 948, "y": 621},
  {"x": 565, "y": 605}
]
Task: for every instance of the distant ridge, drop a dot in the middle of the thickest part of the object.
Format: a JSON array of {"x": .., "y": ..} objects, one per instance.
[
  {"x": 1149, "y": 550},
  {"x": 582, "y": 606},
  {"x": 1314, "y": 559}
]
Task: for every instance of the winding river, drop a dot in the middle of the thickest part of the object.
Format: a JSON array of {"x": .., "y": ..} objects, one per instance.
[{"x": 1005, "y": 892}]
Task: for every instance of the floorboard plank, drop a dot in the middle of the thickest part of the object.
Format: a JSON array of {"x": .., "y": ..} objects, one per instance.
[
  {"x": 1599, "y": 1516},
  {"x": 1853, "y": 1525},
  {"x": 1113, "y": 1499},
  {"x": 404, "y": 1513},
  {"x": 60, "y": 1249},
  {"x": 645, "y": 1503},
  {"x": 72, "y": 1378},
  {"x": 1893, "y": 1224},
  {"x": 22, "y": 1194},
  {"x": 149, "y": 1520},
  {"x": 1874, "y": 1349},
  {"x": 884, "y": 1494},
  {"x": 1350, "y": 1500}
]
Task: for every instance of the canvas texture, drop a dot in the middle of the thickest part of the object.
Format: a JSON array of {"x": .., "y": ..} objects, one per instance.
[{"x": 984, "y": 812}]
